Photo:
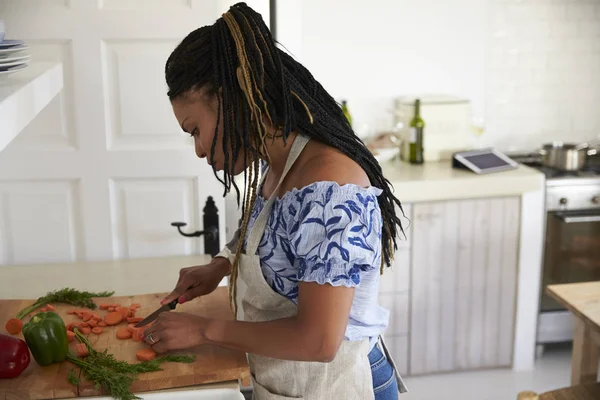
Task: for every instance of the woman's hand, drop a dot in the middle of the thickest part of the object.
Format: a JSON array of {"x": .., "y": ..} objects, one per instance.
[
  {"x": 176, "y": 331},
  {"x": 199, "y": 280}
]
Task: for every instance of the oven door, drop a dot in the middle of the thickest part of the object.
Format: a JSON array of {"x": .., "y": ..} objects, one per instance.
[{"x": 572, "y": 251}]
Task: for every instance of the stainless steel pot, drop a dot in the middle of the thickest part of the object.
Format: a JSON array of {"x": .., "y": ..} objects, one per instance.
[{"x": 566, "y": 156}]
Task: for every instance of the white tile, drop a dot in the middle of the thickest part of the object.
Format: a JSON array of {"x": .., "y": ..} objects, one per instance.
[{"x": 581, "y": 11}]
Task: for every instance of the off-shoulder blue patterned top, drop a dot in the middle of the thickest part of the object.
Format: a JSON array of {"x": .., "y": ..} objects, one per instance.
[{"x": 327, "y": 233}]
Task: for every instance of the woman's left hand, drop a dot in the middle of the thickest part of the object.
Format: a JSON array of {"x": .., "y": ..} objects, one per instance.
[{"x": 175, "y": 331}]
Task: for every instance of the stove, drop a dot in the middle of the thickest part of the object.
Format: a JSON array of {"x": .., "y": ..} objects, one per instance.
[{"x": 572, "y": 238}]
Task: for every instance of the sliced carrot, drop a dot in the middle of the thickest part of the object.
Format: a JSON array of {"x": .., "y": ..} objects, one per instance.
[
  {"x": 81, "y": 350},
  {"x": 96, "y": 317},
  {"x": 86, "y": 331},
  {"x": 50, "y": 307},
  {"x": 87, "y": 316},
  {"x": 115, "y": 305},
  {"x": 124, "y": 311},
  {"x": 14, "y": 326},
  {"x": 43, "y": 309},
  {"x": 70, "y": 336},
  {"x": 138, "y": 335},
  {"x": 84, "y": 325},
  {"x": 113, "y": 318},
  {"x": 123, "y": 333},
  {"x": 70, "y": 326},
  {"x": 71, "y": 312},
  {"x": 104, "y": 306},
  {"x": 101, "y": 323},
  {"x": 92, "y": 323},
  {"x": 79, "y": 314},
  {"x": 111, "y": 309},
  {"x": 145, "y": 354},
  {"x": 134, "y": 320},
  {"x": 97, "y": 330}
]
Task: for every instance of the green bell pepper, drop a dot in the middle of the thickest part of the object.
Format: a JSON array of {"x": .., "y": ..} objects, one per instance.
[{"x": 46, "y": 336}]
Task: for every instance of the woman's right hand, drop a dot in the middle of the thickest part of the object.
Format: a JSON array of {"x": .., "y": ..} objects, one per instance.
[{"x": 199, "y": 280}]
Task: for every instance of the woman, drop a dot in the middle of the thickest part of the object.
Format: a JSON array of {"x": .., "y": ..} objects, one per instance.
[{"x": 304, "y": 265}]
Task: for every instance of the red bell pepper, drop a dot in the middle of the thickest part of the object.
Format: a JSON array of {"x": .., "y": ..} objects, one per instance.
[{"x": 14, "y": 356}]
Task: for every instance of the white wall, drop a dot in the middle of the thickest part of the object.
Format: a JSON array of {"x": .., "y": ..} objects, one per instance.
[
  {"x": 523, "y": 64},
  {"x": 543, "y": 71}
]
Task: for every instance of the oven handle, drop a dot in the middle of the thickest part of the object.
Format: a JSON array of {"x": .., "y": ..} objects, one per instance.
[{"x": 574, "y": 219}]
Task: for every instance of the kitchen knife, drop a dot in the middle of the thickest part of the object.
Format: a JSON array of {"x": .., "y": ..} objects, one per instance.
[{"x": 167, "y": 307}]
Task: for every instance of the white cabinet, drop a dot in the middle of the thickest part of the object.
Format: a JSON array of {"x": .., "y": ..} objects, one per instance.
[
  {"x": 464, "y": 265},
  {"x": 394, "y": 295}
]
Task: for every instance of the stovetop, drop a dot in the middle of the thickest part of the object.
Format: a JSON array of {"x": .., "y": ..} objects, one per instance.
[{"x": 534, "y": 160}]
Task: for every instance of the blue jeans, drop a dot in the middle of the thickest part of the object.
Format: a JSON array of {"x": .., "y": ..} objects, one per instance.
[{"x": 385, "y": 386}]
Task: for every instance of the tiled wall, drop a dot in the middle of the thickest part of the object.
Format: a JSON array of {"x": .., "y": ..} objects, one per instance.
[{"x": 543, "y": 72}]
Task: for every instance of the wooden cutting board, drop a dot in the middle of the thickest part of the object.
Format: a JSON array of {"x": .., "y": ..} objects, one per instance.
[{"x": 213, "y": 364}]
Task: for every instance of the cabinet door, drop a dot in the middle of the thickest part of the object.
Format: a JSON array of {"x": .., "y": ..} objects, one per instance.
[{"x": 464, "y": 263}]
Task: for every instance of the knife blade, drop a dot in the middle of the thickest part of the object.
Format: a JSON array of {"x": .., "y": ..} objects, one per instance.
[{"x": 167, "y": 307}]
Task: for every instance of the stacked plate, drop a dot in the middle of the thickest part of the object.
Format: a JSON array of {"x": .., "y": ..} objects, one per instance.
[{"x": 14, "y": 56}]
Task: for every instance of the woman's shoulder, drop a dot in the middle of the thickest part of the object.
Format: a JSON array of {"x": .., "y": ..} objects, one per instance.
[{"x": 329, "y": 165}]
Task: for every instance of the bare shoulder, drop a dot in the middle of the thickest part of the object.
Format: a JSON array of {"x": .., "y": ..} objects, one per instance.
[{"x": 324, "y": 163}]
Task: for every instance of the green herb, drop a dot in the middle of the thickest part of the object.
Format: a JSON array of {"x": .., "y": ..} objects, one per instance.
[
  {"x": 67, "y": 295},
  {"x": 113, "y": 375},
  {"x": 73, "y": 379}
]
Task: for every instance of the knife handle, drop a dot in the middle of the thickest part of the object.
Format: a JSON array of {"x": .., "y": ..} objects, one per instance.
[{"x": 173, "y": 304}]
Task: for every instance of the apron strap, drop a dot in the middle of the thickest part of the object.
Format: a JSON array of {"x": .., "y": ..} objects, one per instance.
[{"x": 258, "y": 228}]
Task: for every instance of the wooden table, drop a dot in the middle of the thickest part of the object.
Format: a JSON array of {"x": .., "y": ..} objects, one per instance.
[{"x": 583, "y": 300}]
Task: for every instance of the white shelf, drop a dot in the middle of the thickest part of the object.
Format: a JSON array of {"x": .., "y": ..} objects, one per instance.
[{"x": 24, "y": 94}]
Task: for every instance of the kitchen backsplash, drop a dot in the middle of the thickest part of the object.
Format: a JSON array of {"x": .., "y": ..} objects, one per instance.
[{"x": 542, "y": 72}]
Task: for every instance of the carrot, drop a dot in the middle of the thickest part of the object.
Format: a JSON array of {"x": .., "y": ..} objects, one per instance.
[
  {"x": 43, "y": 309},
  {"x": 50, "y": 307},
  {"x": 145, "y": 354},
  {"x": 84, "y": 325},
  {"x": 115, "y": 305},
  {"x": 97, "y": 330},
  {"x": 104, "y": 306},
  {"x": 138, "y": 335},
  {"x": 111, "y": 309},
  {"x": 113, "y": 318},
  {"x": 14, "y": 326},
  {"x": 81, "y": 350},
  {"x": 71, "y": 312},
  {"x": 101, "y": 323},
  {"x": 123, "y": 334},
  {"x": 134, "y": 320},
  {"x": 70, "y": 336},
  {"x": 79, "y": 314},
  {"x": 87, "y": 316},
  {"x": 131, "y": 328},
  {"x": 71, "y": 326},
  {"x": 86, "y": 331},
  {"x": 124, "y": 311},
  {"x": 96, "y": 317},
  {"x": 92, "y": 323}
]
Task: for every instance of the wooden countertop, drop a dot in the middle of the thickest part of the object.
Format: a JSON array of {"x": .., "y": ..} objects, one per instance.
[{"x": 582, "y": 299}]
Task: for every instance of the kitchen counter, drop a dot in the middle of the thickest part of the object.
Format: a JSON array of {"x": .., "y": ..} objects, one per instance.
[
  {"x": 436, "y": 181},
  {"x": 122, "y": 276}
]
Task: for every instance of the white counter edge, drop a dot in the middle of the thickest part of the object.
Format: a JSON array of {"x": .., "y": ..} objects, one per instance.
[{"x": 27, "y": 92}]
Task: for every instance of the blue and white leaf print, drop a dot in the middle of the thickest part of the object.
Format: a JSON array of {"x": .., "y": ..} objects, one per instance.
[{"x": 324, "y": 233}]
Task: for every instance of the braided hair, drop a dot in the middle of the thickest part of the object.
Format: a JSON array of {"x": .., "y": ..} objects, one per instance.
[{"x": 237, "y": 60}]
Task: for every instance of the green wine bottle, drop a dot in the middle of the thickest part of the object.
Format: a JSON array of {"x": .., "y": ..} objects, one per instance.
[
  {"x": 417, "y": 126},
  {"x": 346, "y": 111}
]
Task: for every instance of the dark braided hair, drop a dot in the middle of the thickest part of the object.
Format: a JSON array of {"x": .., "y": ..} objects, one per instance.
[{"x": 237, "y": 60}]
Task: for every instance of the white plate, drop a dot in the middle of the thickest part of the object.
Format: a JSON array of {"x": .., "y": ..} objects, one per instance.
[
  {"x": 10, "y": 59},
  {"x": 11, "y": 50},
  {"x": 206, "y": 394},
  {"x": 6, "y": 43},
  {"x": 3, "y": 65},
  {"x": 12, "y": 70}
]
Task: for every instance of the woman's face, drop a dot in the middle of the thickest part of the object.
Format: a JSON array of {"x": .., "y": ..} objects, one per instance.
[{"x": 197, "y": 115}]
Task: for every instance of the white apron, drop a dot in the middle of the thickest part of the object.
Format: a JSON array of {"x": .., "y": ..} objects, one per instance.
[{"x": 347, "y": 377}]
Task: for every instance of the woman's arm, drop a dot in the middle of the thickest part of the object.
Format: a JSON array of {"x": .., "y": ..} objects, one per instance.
[{"x": 314, "y": 334}]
